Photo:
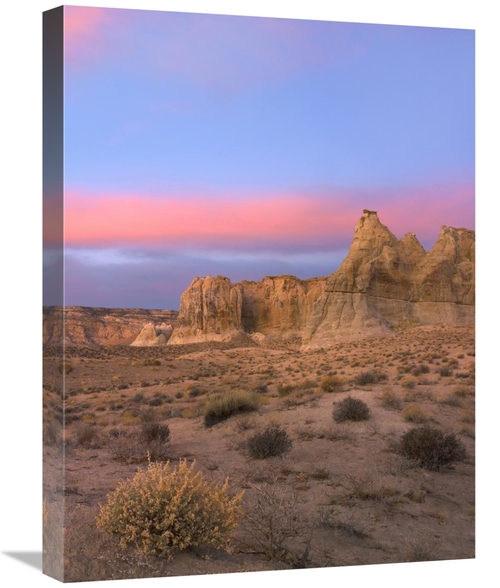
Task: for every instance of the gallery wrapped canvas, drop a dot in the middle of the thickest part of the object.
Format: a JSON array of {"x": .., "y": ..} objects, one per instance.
[{"x": 259, "y": 294}]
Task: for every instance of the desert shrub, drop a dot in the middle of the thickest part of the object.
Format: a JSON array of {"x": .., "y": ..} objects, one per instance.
[
  {"x": 163, "y": 510},
  {"x": 369, "y": 377},
  {"x": 445, "y": 372},
  {"x": 285, "y": 389},
  {"x": 414, "y": 413},
  {"x": 138, "y": 397},
  {"x": 148, "y": 415},
  {"x": 51, "y": 433},
  {"x": 409, "y": 382},
  {"x": 270, "y": 442},
  {"x": 195, "y": 391},
  {"x": 155, "y": 432},
  {"x": 221, "y": 407},
  {"x": 422, "y": 549},
  {"x": 420, "y": 369},
  {"x": 461, "y": 391},
  {"x": 430, "y": 447},
  {"x": 307, "y": 384},
  {"x": 276, "y": 525},
  {"x": 351, "y": 409},
  {"x": 190, "y": 412},
  {"x": 153, "y": 362},
  {"x": 332, "y": 384},
  {"x": 390, "y": 399},
  {"x": 85, "y": 435}
]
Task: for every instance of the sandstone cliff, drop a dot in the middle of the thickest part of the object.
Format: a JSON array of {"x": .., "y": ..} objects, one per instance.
[
  {"x": 210, "y": 310},
  {"x": 215, "y": 309},
  {"x": 382, "y": 283},
  {"x": 100, "y": 326}
]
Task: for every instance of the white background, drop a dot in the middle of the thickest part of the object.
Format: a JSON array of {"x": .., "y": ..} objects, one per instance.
[{"x": 21, "y": 284}]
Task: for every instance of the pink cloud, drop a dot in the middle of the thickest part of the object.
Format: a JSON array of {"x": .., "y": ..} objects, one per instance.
[
  {"x": 84, "y": 38},
  {"x": 132, "y": 219},
  {"x": 274, "y": 220}
]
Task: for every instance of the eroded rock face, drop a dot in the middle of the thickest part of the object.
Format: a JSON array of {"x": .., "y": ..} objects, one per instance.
[
  {"x": 214, "y": 309},
  {"x": 382, "y": 283},
  {"x": 99, "y": 326},
  {"x": 210, "y": 310},
  {"x": 279, "y": 305}
]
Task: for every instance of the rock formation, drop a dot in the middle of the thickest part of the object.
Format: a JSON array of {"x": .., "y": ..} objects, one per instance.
[
  {"x": 210, "y": 310},
  {"x": 215, "y": 309},
  {"x": 382, "y": 283},
  {"x": 100, "y": 326},
  {"x": 153, "y": 336}
]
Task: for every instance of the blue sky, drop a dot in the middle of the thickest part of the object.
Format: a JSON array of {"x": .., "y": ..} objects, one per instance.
[{"x": 203, "y": 144}]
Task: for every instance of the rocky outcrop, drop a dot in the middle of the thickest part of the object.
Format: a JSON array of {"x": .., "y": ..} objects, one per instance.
[
  {"x": 153, "y": 336},
  {"x": 279, "y": 305},
  {"x": 81, "y": 325},
  {"x": 382, "y": 283},
  {"x": 214, "y": 309},
  {"x": 210, "y": 310}
]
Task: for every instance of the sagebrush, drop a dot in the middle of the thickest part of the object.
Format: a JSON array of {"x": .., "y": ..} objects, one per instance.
[
  {"x": 270, "y": 442},
  {"x": 430, "y": 447},
  {"x": 351, "y": 409},
  {"x": 164, "y": 509}
]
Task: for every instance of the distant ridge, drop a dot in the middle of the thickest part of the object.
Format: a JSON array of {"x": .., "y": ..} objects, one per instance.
[{"x": 85, "y": 325}]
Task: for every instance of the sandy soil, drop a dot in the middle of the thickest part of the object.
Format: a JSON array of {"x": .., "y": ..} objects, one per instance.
[{"x": 346, "y": 496}]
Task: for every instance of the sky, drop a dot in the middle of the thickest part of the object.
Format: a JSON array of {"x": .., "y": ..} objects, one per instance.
[{"x": 202, "y": 145}]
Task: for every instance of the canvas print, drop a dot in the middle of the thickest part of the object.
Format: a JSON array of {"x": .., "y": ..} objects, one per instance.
[{"x": 259, "y": 294}]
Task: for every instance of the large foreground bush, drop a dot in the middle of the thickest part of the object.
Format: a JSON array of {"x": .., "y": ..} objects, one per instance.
[
  {"x": 431, "y": 448},
  {"x": 163, "y": 509}
]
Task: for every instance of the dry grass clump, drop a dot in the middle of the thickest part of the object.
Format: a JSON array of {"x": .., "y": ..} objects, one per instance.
[
  {"x": 270, "y": 442},
  {"x": 221, "y": 407},
  {"x": 420, "y": 369},
  {"x": 51, "y": 433},
  {"x": 152, "y": 362},
  {"x": 332, "y": 384},
  {"x": 430, "y": 447},
  {"x": 285, "y": 389},
  {"x": 86, "y": 435},
  {"x": 421, "y": 549},
  {"x": 390, "y": 399},
  {"x": 414, "y": 413},
  {"x": 409, "y": 382},
  {"x": 351, "y": 409},
  {"x": 369, "y": 377},
  {"x": 163, "y": 510},
  {"x": 461, "y": 391}
]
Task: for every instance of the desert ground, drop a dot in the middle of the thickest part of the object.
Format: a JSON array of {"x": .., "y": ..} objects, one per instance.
[{"x": 340, "y": 495}]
